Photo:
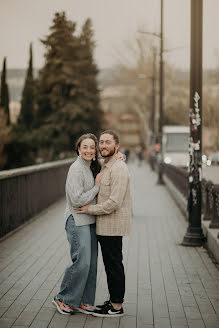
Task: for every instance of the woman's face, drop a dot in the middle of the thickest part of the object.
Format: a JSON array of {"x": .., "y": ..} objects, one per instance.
[{"x": 87, "y": 149}]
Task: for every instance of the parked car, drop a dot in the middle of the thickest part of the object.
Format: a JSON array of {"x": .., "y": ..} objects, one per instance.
[{"x": 175, "y": 145}]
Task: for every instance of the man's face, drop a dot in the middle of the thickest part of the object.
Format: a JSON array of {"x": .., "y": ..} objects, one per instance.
[{"x": 107, "y": 145}]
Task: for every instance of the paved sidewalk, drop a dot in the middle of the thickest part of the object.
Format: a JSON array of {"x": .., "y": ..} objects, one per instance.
[{"x": 167, "y": 285}]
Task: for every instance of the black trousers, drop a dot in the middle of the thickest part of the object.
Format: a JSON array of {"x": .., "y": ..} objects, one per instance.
[{"x": 111, "y": 247}]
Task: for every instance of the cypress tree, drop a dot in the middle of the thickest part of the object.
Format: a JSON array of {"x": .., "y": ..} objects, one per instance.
[
  {"x": 57, "y": 79},
  {"x": 64, "y": 103},
  {"x": 23, "y": 145},
  {"x": 4, "y": 95},
  {"x": 27, "y": 104},
  {"x": 89, "y": 71}
]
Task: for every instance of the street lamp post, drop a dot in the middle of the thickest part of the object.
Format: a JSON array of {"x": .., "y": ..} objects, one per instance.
[
  {"x": 160, "y": 124},
  {"x": 153, "y": 109},
  {"x": 153, "y": 97},
  {"x": 160, "y": 128},
  {"x": 194, "y": 235}
]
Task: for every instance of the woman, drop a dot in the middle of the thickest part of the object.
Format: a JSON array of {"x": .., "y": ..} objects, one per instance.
[{"x": 82, "y": 185}]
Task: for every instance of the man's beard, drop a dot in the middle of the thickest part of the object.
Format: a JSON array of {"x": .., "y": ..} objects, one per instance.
[{"x": 111, "y": 153}]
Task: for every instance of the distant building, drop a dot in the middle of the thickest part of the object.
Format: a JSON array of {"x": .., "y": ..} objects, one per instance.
[{"x": 119, "y": 118}]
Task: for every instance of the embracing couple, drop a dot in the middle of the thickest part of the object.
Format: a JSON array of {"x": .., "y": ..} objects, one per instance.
[{"x": 98, "y": 209}]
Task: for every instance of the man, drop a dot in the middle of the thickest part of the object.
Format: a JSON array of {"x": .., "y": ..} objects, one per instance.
[{"x": 113, "y": 210}]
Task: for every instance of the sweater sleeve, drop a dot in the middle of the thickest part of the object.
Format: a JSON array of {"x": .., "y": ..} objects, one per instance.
[{"x": 75, "y": 190}]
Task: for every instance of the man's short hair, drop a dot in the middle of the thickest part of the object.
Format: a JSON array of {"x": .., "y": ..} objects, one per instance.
[{"x": 112, "y": 133}]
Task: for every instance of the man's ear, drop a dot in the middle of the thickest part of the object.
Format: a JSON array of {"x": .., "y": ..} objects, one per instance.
[{"x": 117, "y": 148}]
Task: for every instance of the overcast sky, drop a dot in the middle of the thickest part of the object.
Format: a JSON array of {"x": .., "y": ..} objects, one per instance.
[{"x": 25, "y": 21}]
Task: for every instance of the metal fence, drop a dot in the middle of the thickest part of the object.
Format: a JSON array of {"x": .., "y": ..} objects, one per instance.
[
  {"x": 210, "y": 193},
  {"x": 26, "y": 191},
  {"x": 178, "y": 176}
]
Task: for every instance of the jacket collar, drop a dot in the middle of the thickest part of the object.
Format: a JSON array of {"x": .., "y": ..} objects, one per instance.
[{"x": 110, "y": 163}]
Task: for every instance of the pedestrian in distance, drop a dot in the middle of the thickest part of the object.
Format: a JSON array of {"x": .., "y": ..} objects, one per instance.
[
  {"x": 127, "y": 153},
  {"x": 113, "y": 210},
  {"x": 140, "y": 155}
]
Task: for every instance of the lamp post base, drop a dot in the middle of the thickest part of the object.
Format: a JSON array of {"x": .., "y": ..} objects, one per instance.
[{"x": 194, "y": 237}]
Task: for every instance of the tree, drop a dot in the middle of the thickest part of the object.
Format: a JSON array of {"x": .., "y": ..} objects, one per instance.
[
  {"x": 26, "y": 116},
  {"x": 58, "y": 78},
  {"x": 88, "y": 72},
  {"x": 5, "y": 127},
  {"x": 135, "y": 71},
  {"x": 22, "y": 146},
  {"x": 63, "y": 102},
  {"x": 176, "y": 101},
  {"x": 67, "y": 93},
  {"x": 4, "y": 95},
  {"x": 211, "y": 106},
  {"x": 4, "y": 137}
]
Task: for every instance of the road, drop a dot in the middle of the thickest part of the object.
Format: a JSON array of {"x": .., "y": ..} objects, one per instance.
[{"x": 211, "y": 173}]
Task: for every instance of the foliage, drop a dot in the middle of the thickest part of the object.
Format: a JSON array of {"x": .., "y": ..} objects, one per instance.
[
  {"x": 63, "y": 102},
  {"x": 4, "y": 137},
  {"x": 26, "y": 116},
  {"x": 210, "y": 111},
  {"x": 176, "y": 97},
  {"x": 22, "y": 146},
  {"x": 68, "y": 96},
  {"x": 21, "y": 149},
  {"x": 4, "y": 95},
  {"x": 134, "y": 73}
]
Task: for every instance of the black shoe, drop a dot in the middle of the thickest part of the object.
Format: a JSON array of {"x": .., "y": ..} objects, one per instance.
[
  {"x": 102, "y": 305},
  {"x": 108, "y": 311}
]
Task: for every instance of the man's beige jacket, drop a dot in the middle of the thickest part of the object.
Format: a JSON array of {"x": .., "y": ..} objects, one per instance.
[{"x": 113, "y": 208}]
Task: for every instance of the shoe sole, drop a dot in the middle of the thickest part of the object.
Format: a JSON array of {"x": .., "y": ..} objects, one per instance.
[
  {"x": 58, "y": 308},
  {"x": 107, "y": 315},
  {"x": 84, "y": 311}
]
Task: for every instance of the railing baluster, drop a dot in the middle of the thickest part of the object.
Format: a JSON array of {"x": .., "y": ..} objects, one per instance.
[
  {"x": 215, "y": 219},
  {"x": 208, "y": 208}
]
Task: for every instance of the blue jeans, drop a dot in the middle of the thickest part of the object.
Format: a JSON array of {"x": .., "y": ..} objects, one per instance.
[{"x": 79, "y": 282}]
